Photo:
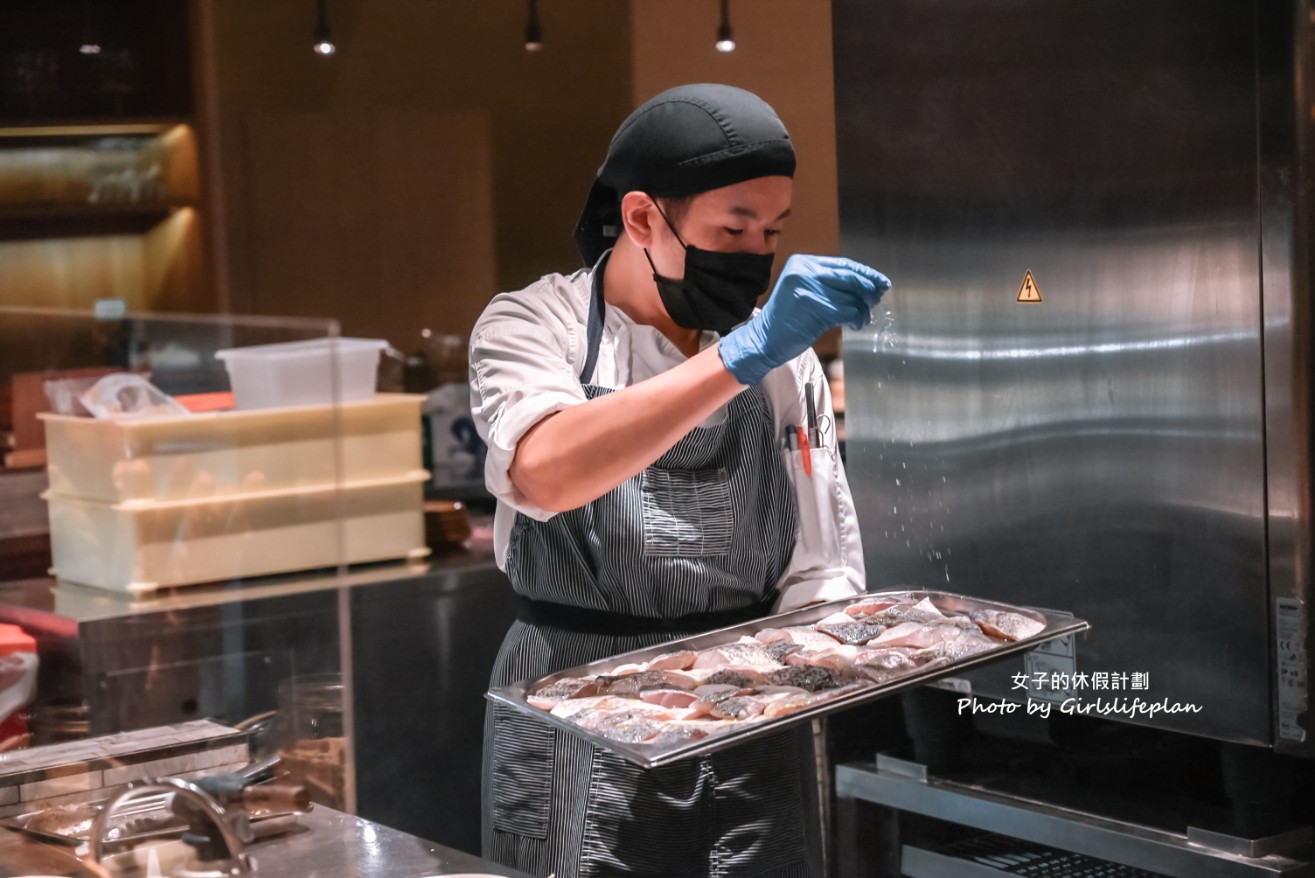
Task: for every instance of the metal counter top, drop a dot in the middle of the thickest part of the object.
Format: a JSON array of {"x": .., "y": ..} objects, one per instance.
[{"x": 327, "y": 844}]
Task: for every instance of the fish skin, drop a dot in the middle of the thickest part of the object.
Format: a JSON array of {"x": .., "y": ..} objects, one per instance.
[
  {"x": 923, "y": 611},
  {"x": 1006, "y": 625},
  {"x": 748, "y": 654},
  {"x": 566, "y": 687},
  {"x": 779, "y": 649},
  {"x": 852, "y": 632},
  {"x": 809, "y": 678},
  {"x": 628, "y": 684},
  {"x": 743, "y": 677},
  {"x": 739, "y": 707}
]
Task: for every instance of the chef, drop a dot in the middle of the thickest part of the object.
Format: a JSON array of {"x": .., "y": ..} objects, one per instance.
[{"x": 641, "y": 419}]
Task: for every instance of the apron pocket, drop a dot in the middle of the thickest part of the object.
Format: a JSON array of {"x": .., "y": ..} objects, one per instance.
[
  {"x": 651, "y": 821},
  {"x": 522, "y": 774},
  {"x": 761, "y": 806},
  {"x": 687, "y": 513}
]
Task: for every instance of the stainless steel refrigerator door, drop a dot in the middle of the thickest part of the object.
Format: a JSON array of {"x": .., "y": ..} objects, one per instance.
[{"x": 1101, "y": 449}]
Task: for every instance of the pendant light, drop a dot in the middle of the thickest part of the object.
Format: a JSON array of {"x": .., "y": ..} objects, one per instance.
[
  {"x": 533, "y": 32},
  {"x": 323, "y": 40},
  {"x": 90, "y": 45},
  {"x": 725, "y": 39}
]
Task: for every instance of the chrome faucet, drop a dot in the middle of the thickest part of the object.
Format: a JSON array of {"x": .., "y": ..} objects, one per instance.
[{"x": 238, "y": 862}]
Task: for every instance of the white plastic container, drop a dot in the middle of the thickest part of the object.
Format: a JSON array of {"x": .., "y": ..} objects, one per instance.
[
  {"x": 216, "y": 453},
  {"x": 316, "y": 371},
  {"x": 140, "y": 546}
]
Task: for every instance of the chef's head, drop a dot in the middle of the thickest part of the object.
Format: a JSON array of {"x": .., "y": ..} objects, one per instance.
[{"x": 699, "y": 177}]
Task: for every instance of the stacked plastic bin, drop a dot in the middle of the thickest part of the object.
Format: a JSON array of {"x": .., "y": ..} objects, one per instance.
[{"x": 141, "y": 504}]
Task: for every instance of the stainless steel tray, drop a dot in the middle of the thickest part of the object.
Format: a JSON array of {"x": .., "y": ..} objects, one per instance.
[{"x": 653, "y": 755}]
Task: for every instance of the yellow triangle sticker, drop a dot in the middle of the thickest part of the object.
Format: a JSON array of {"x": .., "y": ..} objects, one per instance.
[{"x": 1029, "y": 292}]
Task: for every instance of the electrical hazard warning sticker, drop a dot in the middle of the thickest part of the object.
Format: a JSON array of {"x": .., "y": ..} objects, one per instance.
[{"x": 1029, "y": 292}]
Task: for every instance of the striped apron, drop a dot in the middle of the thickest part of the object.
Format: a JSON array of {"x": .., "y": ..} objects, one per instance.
[{"x": 696, "y": 541}]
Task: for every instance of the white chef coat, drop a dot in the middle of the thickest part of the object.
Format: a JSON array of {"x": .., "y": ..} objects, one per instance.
[{"x": 526, "y": 353}]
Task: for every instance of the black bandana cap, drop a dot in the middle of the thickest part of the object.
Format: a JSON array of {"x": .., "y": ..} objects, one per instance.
[{"x": 686, "y": 140}]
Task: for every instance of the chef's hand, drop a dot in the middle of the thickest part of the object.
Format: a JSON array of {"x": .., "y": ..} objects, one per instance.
[{"x": 813, "y": 294}]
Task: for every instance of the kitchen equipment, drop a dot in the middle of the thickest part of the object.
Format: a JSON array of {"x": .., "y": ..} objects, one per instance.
[
  {"x": 224, "y": 854},
  {"x": 1090, "y": 387}
]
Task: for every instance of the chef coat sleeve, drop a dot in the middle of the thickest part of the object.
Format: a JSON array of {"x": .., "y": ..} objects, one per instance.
[
  {"x": 828, "y": 558},
  {"x": 521, "y": 356}
]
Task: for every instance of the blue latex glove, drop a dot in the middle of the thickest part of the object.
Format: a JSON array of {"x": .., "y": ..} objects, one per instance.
[{"x": 812, "y": 295}]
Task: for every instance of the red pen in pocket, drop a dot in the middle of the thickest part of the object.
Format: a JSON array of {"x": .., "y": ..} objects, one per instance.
[{"x": 805, "y": 453}]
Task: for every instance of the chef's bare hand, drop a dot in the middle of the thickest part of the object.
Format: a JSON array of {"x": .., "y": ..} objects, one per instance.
[{"x": 812, "y": 295}]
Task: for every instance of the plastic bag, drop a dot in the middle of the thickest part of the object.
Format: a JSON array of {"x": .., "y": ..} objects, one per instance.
[
  {"x": 455, "y": 451},
  {"x": 128, "y": 395}
]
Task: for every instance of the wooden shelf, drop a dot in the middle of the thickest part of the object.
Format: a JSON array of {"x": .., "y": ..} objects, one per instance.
[
  {"x": 10, "y": 212},
  {"x": 36, "y": 221},
  {"x": 89, "y": 127}
]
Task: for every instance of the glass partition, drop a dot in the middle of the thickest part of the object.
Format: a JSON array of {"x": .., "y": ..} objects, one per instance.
[{"x": 180, "y": 508}]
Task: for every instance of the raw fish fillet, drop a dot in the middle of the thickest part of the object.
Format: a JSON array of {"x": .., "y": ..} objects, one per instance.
[
  {"x": 745, "y": 678},
  {"x": 789, "y": 705},
  {"x": 629, "y": 726},
  {"x": 801, "y": 635},
  {"x": 633, "y": 684},
  {"x": 734, "y": 655},
  {"x": 836, "y": 657},
  {"x": 669, "y": 697},
  {"x": 1001, "y": 623},
  {"x": 682, "y": 660},
  {"x": 567, "y": 687},
  {"x": 851, "y": 632},
  {"x": 779, "y": 649},
  {"x": 687, "y": 694},
  {"x": 680, "y": 731},
  {"x": 811, "y": 679},
  {"x": 572, "y": 707},
  {"x": 739, "y": 707},
  {"x": 868, "y": 607},
  {"x": 895, "y": 658},
  {"x": 966, "y": 644},
  {"x": 916, "y": 635}
]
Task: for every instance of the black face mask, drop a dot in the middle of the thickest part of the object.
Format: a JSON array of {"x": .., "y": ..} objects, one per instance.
[{"x": 718, "y": 291}]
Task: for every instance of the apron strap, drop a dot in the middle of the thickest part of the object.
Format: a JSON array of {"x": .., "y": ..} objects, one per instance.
[{"x": 597, "y": 311}]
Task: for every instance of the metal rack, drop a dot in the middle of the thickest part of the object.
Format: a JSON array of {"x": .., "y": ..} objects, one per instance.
[
  {"x": 907, "y": 787},
  {"x": 991, "y": 856}
]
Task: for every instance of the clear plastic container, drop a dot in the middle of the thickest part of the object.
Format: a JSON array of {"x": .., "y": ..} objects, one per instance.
[
  {"x": 312, "y": 372},
  {"x": 311, "y": 738},
  {"x": 216, "y": 453},
  {"x": 140, "y": 546}
]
